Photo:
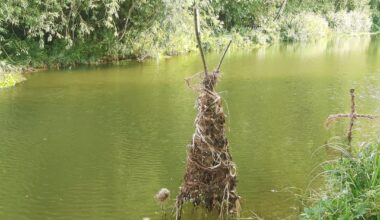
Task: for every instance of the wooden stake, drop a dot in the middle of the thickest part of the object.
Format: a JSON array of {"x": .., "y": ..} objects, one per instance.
[
  {"x": 352, "y": 116},
  {"x": 198, "y": 35},
  {"x": 221, "y": 59}
]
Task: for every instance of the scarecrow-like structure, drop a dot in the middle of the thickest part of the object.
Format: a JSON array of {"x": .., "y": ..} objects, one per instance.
[
  {"x": 352, "y": 116},
  {"x": 210, "y": 179}
]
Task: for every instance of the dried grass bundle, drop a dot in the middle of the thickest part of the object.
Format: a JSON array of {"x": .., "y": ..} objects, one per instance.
[{"x": 210, "y": 179}]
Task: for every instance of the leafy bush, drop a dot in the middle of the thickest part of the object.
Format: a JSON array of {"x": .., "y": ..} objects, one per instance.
[
  {"x": 351, "y": 5},
  {"x": 69, "y": 32},
  {"x": 10, "y": 75},
  {"x": 375, "y": 8},
  {"x": 375, "y": 22},
  {"x": 36, "y": 33},
  {"x": 267, "y": 31},
  {"x": 303, "y": 27},
  {"x": 352, "y": 188},
  {"x": 10, "y": 79},
  {"x": 349, "y": 22},
  {"x": 5, "y": 67}
]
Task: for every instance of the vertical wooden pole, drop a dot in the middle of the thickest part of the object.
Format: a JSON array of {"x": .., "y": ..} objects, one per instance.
[
  {"x": 198, "y": 35},
  {"x": 224, "y": 54},
  {"x": 352, "y": 117}
]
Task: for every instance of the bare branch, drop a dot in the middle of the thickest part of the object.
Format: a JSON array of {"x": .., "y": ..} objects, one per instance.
[
  {"x": 366, "y": 116},
  {"x": 224, "y": 54},
  {"x": 198, "y": 35},
  {"x": 281, "y": 10},
  {"x": 127, "y": 20},
  {"x": 332, "y": 118}
]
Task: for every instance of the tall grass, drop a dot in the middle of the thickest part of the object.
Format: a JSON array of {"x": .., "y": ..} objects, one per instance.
[{"x": 352, "y": 189}]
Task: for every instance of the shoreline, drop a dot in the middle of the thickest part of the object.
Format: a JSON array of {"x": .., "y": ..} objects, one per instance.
[{"x": 16, "y": 74}]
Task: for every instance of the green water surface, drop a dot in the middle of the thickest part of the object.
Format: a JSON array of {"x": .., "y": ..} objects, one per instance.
[{"x": 99, "y": 142}]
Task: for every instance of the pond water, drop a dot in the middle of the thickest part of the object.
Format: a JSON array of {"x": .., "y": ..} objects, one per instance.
[{"x": 99, "y": 142}]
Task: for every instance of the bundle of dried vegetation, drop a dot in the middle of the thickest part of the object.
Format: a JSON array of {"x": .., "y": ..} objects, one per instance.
[{"x": 210, "y": 178}]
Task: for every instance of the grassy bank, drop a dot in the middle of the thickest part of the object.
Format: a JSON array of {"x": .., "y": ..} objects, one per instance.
[{"x": 352, "y": 187}]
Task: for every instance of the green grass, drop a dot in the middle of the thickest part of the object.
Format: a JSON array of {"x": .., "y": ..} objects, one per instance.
[{"x": 352, "y": 189}]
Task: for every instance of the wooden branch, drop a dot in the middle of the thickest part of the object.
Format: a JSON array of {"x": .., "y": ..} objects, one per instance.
[
  {"x": 353, "y": 111},
  {"x": 198, "y": 35},
  {"x": 224, "y": 54},
  {"x": 332, "y": 118},
  {"x": 366, "y": 116},
  {"x": 352, "y": 116},
  {"x": 127, "y": 20},
  {"x": 280, "y": 10}
]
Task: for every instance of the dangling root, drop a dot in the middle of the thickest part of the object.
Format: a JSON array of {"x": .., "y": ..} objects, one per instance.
[{"x": 210, "y": 179}]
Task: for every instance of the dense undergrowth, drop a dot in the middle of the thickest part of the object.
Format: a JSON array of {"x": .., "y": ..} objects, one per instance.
[
  {"x": 55, "y": 33},
  {"x": 62, "y": 33},
  {"x": 352, "y": 189}
]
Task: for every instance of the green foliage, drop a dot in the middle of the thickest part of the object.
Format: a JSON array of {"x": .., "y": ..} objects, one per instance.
[
  {"x": 6, "y": 67},
  {"x": 304, "y": 27},
  {"x": 375, "y": 8},
  {"x": 375, "y": 22},
  {"x": 68, "y": 32},
  {"x": 351, "y": 5},
  {"x": 248, "y": 13},
  {"x": 349, "y": 22},
  {"x": 9, "y": 75},
  {"x": 10, "y": 79},
  {"x": 352, "y": 190}
]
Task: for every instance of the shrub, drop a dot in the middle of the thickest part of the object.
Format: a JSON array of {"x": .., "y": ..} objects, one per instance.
[
  {"x": 352, "y": 188},
  {"x": 349, "y": 22},
  {"x": 5, "y": 67},
  {"x": 10, "y": 79},
  {"x": 303, "y": 27},
  {"x": 266, "y": 32},
  {"x": 375, "y": 21},
  {"x": 9, "y": 75}
]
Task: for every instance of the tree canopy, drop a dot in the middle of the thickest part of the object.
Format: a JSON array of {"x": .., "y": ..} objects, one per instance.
[{"x": 56, "y": 32}]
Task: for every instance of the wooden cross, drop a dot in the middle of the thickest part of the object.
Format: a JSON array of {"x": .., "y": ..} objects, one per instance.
[{"x": 352, "y": 116}]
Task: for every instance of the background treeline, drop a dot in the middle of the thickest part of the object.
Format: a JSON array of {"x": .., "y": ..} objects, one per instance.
[{"x": 66, "y": 32}]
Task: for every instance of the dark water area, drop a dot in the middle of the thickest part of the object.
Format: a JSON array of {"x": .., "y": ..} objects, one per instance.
[{"x": 99, "y": 142}]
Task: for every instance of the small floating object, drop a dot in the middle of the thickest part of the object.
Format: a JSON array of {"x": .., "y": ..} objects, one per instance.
[
  {"x": 146, "y": 218},
  {"x": 162, "y": 195}
]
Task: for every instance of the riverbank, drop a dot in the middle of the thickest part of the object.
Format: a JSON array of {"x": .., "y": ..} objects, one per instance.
[
  {"x": 10, "y": 79},
  {"x": 10, "y": 75},
  {"x": 67, "y": 34},
  {"x": 13, "y": 74},
  {"x": 352, "y": 186}
]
